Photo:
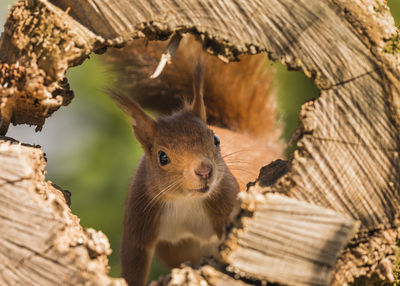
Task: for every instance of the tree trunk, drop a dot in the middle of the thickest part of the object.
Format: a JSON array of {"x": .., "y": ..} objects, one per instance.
[{"x": 342, "y": 183}]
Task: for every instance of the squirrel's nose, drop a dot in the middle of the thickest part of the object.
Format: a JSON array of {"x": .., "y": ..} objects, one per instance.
[{"x": 204, "y": 171}]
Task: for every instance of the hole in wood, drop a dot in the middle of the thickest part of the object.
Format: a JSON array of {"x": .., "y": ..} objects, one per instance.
[{"x": 99, "y": 151}]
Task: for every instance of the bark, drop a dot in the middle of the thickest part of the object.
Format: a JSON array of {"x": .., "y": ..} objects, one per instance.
[{"x": 345, "y": 170}]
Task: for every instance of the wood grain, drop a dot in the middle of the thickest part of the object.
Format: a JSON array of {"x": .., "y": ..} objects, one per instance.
[
  {"x": 283, "y": 234},
  {"x": 348, "y": 141},
  {"x": 41, "y": 242}
]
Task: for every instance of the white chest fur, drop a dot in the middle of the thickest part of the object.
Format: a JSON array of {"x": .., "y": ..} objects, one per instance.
[{"x": 186, "y": 218}]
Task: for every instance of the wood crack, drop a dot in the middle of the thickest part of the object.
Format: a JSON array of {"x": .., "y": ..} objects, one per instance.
[
  {"x": 350, "y": 80},
  {"x": 351, "y": 143},
  {"x": 5, "y": 181},
  {"x": 33, "y": 252},
  {"x": 15, "y": 268}
]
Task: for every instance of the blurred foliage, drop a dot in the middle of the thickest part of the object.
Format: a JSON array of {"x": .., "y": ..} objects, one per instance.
[
  {"x": 98, "y": 169},
  {"x": 395, "y": 10},
  {"x": 293, "y": 89},
  {"x": 104, "y": 163}
]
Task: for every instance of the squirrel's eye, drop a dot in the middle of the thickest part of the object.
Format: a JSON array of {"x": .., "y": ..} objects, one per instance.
[
  {"x": 216, "y": 141},
  {"x": 163, "y": 158}
]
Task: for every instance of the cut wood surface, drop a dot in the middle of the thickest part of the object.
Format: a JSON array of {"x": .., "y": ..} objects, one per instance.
[
  {"x": 41, "y": 242},
  {"x": 348, "y": 143},
  {"x": 286, "y": 241}
]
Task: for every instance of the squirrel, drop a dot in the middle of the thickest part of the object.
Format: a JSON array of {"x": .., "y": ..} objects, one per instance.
[{"x": 217, "y": 128}]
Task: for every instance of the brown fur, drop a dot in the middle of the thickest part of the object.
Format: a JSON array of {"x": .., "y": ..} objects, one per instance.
[
  {"x": 189, "y": 143},
  {"x": 238, "y": 101},
  {"x": 238, "y": 96},
  {"x": 140, "y": 230}
]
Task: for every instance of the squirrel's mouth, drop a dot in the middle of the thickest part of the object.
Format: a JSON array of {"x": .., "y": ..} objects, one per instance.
[{"x": 202, "y": 190}]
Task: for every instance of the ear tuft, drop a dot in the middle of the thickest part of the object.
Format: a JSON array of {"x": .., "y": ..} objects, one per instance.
[
  {"x": 198, "y": 106},
  {"x": 143, "y": 125}
]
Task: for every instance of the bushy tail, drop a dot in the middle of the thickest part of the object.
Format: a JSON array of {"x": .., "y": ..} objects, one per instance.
[{"x": 238, "y": 96}]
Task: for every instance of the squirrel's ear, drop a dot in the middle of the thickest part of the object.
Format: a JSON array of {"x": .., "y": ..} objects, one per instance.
[
  {"x": 143, "y": 125},
  {"x": 198, "y": 106}
]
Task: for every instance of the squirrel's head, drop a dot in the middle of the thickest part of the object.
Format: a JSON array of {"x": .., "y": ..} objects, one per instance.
[{"x": 183, "y": 154}]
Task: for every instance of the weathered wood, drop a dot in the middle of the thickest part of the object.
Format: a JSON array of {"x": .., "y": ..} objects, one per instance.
[
  {"x": 348, "y": 143},
  {"x": 205, "y": 275},
  {"x": 41, "y": 242},
  {"x": 286, "y": 241},
  {"x": 348, "y": 157},
  {"x": 38, "y": 45}
]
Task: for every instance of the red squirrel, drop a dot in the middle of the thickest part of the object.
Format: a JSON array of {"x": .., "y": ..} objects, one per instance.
[{"x": 184, "y": 189}]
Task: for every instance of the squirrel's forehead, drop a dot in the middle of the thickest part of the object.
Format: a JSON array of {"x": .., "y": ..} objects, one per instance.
[
  {"x": 183, "y": 138},
  {"x": 182, "y": 124},
  {"x": 183, "y": 134}
]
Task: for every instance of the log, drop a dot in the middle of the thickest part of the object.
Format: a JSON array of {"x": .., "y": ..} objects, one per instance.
[
  {"x": 41, "y": 242},
  {"x": 346, "y": 165},
  {"x": 76, "y": 256},
  {"x": 286, "y": 241}
]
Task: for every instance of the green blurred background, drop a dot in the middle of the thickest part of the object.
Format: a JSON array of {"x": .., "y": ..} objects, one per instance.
[{"x": 92, "y": 152}]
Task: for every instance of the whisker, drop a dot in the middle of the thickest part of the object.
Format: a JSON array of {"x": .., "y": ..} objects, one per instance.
[
  {"x": 238, "y": 162},
  {"x": 154, "y": 188},
  {"x": 240, "y": 169},
  {"x": 210, "y": 195},
  {"x": 235, "y": 164},
  {"x": 238, "y": 151},
  {"x": 233, "y": 168},
  {"x": 156, "y": 197}
]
